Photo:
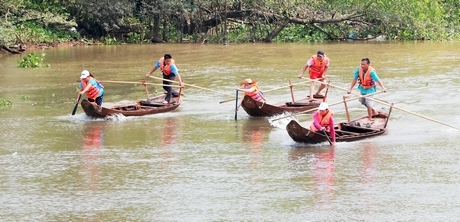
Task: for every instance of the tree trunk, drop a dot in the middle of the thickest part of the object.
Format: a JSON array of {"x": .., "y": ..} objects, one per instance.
[
  {"x": 165, "y": 30},
  {"x": 225, "y": 25},
  {"x": 10, "y": 50},
  {"x": 156, "y": 25},
  {"x": 274, "y": 33}
]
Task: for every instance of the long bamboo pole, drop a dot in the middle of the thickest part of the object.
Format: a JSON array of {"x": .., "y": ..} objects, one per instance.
[
  {"x": 140, "y": 83},
  {"x": 404, "y": 110},
  {"x": 332, "y": 104},
  {"x": 281, "y": 87},
  {"x": 195, "y": 86}
]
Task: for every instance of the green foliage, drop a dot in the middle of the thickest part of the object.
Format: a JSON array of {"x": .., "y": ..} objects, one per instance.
[
  {"x": 109, "y": 40},
  {"x": 6, "y": 33},
  {"x": 239, "y": 33},
  {"x": 299, "y": 33},
  {"x": 26, "y": 98},
  {"x": 15, "y": 17},
  {"x": 32, "y": 60},
  {"x": 35, "y": 33},
  {"x": 126, "y": 21},
  {"x": 134, "y": 37},
  {"x": 5, "y": 102}
]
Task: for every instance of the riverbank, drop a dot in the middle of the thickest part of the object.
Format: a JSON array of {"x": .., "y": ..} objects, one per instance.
[{"x": 22, "y": 48}]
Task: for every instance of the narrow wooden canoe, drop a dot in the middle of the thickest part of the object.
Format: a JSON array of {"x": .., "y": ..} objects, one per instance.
[
  {"x": 258, "y": 109},
  {"x": 345, "y": 132},
  {"x": 140, "y": 108}
]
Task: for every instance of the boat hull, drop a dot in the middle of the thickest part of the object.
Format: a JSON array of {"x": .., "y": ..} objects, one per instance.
[
  {"x": 357, "y": 129},
  {"x": 258, "y": 109},
  {"x": 141, "y": 108}
]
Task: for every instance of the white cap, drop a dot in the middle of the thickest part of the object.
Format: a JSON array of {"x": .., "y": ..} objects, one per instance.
[
  {"x": 323, "y": 106},
  {"x": 84, "y": 74}
]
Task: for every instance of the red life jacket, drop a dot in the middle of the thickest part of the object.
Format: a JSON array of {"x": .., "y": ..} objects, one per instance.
[
  {"x": 256, "y": 94},
  {"x": 166, "y": 69},
  {"x": 317, "y": 68},
  {"x": 93, "y": 91},
  {"x": 365, "y": 79},
  {"x": 323, "y": 121}
]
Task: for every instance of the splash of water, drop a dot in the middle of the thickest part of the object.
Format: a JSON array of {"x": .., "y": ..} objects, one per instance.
[
  {"x": 117, "y": 117},
  {"x": 281, "y": 120}
]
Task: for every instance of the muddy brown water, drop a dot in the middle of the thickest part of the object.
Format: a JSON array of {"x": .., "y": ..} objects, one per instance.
[{"x": 199, "y": 164}]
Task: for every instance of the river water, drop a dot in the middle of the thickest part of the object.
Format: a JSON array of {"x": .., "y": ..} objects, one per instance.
[{"x": 198, "y": 164}]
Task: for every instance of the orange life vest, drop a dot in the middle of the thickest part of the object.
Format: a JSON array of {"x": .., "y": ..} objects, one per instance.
[
  {"x": 323, "y": 121},
  {"x": 317, "y": 68},
  {"x": 166, "y": 69},
  {"x": 256, "y": 94},
  {"x": 93, "y": 91},
  {"x": 365, "y": 79}
]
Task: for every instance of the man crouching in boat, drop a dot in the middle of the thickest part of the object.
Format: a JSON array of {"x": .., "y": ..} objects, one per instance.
[
  {"x": 323, "y": 121},
  {"x": 93, "y": 88},
  {"x": 250, "y": 88}
]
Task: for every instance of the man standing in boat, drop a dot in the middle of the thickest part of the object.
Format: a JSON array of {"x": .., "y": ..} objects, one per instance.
[
  {"x": 317, "y": 66},
  {"x": 367, "y": 78},
  {"x": 250, "y": 88},
  {"x": 323, "y": 121},
  {"x": 170, "y": 71}
]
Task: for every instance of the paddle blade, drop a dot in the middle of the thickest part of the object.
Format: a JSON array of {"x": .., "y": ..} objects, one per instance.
[
  {"x": 76, "y": 105},
  {"x": 236, "y": 105}
]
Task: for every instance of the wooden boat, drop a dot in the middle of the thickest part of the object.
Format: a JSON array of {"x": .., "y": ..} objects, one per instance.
[
  {"x": 140, "y": 108},
  {"x": 345, "y": 131},
  {"x": 258, "y": 109}
]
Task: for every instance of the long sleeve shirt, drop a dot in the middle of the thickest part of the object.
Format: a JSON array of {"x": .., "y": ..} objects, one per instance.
[{"x": 317, "y": 124}]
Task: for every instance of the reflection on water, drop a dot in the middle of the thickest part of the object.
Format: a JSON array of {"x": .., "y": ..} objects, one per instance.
[
  {"x": 93, "y": 142},
  {"x": 319, "y": 163},
  {"x": 368, "y": 159},
  {"x": 254, "y": 134},
  {"x": 171, "y": 131}
]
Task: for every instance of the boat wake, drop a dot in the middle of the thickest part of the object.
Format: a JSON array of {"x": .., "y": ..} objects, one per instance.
[
  {"x": 116, "y": 117},
  {"x": 281, "y": 121}
]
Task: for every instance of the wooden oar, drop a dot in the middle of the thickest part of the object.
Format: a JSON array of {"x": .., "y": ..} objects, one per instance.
[
  {"x": 146, "y": 90},
  {"x": 199, "y": 87},
  {"x": 76, "y": 104},
  {"x": 327, "y": 136},
  {"x": 332, "y": 104},
  {"x": 346, "y": 109},
  {"x": 404, "y": 110},
  {"x": 325, "y": 94},
  {"x": 236, "y": 105},
  {"x": 292, "y": 93},
  {"x": 180, "y": 94}
]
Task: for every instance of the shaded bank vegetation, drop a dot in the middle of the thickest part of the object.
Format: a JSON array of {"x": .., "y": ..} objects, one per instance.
[{"x": 26, "y": 22}]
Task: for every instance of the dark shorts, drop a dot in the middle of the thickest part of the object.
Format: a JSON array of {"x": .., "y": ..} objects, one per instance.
[{"x": 98, "y": 100}]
